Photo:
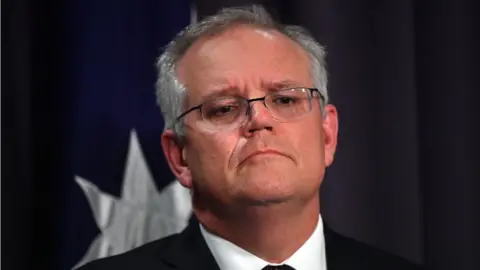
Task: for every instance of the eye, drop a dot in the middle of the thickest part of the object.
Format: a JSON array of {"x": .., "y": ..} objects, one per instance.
[
  {"x": 220, "y": 111},
  {"x": 284, "y": 100}
]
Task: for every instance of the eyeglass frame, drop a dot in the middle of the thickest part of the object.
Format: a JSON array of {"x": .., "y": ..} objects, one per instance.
[{"x": 247, "y": 111}]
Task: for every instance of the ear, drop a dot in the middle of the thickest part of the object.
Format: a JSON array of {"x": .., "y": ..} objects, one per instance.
[
  {"x": 330, "y": 130},
  {"x": 176, "y": 157}
]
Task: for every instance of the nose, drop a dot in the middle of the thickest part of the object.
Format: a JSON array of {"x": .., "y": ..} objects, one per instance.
[
  {"x": 258, "y": 117},
  {"x": 257, "y": 110}
]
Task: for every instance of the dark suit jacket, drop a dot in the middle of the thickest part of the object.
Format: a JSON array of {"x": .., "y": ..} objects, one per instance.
[{"x": 188, "y": 250}]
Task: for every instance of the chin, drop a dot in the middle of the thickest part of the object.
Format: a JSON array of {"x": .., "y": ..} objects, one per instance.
[
  {"x": 269, "y": 200},
  {"x": 273, "y": 185},
  {"x": 268, "y": 193}
]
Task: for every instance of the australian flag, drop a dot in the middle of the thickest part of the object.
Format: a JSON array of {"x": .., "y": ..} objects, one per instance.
[{"x": 119, "y": 192}]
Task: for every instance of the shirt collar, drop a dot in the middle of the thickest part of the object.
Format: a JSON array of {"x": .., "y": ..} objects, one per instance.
[{"x": 311, "y": 255}]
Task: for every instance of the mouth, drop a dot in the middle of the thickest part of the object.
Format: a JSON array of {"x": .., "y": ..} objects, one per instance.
[
  {"x": 266, "y": 152},
  {"x": 270, "y": 152}
]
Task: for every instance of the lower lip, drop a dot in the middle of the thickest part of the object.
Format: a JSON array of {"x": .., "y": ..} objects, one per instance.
[
  {"x": 259, "y": 156},
  {"x": 265, "y": 153}
]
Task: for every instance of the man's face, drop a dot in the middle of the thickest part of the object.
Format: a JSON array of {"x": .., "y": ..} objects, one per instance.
[{"x": 222, "y": 164}]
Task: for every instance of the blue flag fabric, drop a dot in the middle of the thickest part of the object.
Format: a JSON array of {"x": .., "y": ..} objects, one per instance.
[{"x": 113, "y": 48}]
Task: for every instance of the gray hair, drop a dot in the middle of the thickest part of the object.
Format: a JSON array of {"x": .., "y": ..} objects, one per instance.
[{"x": 170, "y": 91}]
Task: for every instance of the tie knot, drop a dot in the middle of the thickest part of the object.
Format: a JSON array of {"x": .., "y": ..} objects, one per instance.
[{"x": 278, "y": 267}]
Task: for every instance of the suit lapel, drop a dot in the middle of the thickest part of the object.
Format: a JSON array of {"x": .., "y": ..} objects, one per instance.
[
  {"x": 346, "y": 253},
  {"x": 190, "y": 251},
  {"x": 337, "y": 253}
]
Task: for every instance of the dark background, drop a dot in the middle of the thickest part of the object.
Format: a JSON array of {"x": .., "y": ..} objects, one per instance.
[{"x": 403, "y": 75}]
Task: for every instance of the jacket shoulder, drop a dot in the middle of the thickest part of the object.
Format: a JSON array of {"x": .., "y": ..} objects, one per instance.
[
  {"x": 347, "y": 253},
  {"x": 147, "y": 256}
]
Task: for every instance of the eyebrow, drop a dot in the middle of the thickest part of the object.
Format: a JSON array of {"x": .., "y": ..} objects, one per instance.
[
  {"x": 222, "y": 92},
  {"x": 282, "y": 85},
  {"x": 235, "y": 91}
]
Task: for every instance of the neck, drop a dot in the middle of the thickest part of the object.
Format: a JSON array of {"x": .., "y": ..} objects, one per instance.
[{"x": 271, "y": 232}]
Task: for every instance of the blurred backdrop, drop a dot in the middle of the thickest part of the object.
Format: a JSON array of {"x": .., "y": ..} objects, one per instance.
[{"x": 78, "y": 88}]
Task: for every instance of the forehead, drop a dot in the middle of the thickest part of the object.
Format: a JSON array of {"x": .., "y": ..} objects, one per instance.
[{"x": 242, "y": 58}]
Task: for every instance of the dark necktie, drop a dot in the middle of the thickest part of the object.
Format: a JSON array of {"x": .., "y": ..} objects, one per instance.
[{"x": 278, "y": 267}]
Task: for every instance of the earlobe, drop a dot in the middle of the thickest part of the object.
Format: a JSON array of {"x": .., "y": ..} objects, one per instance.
[{"x": 176, "y": 158}]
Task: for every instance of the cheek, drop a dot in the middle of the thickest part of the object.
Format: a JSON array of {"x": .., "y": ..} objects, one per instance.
[
  {"x": 310, "y": 145},
  {"x": 312, "y": 158},
  {"x": 212, "y": 153}
]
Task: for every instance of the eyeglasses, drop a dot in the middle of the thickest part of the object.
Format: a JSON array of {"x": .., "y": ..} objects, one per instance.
[{"x": 283, "y": 105}]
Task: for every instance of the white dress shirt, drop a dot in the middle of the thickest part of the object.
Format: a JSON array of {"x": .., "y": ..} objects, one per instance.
[{"x": 310, "y": 256}]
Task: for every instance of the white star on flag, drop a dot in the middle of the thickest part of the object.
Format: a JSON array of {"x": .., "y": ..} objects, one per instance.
[{"x": 141, "y": 215}]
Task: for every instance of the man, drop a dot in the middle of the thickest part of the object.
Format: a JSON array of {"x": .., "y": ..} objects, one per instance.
[{"x": 250, "y": 133}]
